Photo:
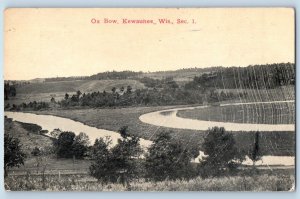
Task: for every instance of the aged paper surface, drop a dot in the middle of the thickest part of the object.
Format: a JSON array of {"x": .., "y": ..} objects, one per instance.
[{"x": 140, "y": 99}]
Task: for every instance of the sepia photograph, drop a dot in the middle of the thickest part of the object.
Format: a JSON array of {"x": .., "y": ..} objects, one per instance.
[{"x": 149, "y": 99}]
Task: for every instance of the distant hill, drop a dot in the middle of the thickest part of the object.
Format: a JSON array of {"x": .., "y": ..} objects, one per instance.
[
  {"x": 185, "y": 74},
  {"x": 180, "y": 75},
  {"x": 75, "y": 85},
  {"x": 37, "y": 80}
]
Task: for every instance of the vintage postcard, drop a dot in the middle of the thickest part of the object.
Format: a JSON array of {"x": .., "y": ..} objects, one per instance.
[{"x": 149, "y": 99}]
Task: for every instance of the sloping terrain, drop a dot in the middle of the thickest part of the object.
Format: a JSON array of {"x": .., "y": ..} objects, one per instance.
[
  {"x": 73, "y": 86},
  {"x": 46, "y": 90}
]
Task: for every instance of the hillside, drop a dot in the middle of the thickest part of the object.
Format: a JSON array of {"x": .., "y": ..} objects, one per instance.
[
  {"x": 180, "y": 75},
  {"x": 44, "y": 91},
  {"x": 73, "y": 86}
]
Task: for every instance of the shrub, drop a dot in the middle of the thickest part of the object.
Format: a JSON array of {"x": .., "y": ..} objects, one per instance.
[
  {"x": 36, "y": 151},
  {"x": 68, "y": 145}
]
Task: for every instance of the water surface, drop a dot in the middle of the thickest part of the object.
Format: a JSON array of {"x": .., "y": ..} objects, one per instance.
[{"x": 50, "y": 122}]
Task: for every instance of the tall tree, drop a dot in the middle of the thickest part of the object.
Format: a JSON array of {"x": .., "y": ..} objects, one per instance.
[
  {"x": 125, "y": 155},
  {"x": 78, "y": 93},
  {"x": 102, "y": 167},
  {"x": 168, "y": 159},
  {"x": 13, "y": 154},
  {"x": 80, "y": 145},
  {"x": 221, "y": 151},
  {"x": 66, "y": 96},
  {"x": 255, "y": 153},
  {"x": 129, "y": 89},
  {"x": 64, "y": 144},
  {"x": 6, "y": 91}
]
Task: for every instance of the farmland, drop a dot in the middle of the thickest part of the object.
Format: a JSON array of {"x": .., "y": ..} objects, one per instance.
[
  {"x": 276, "y": 113},
  {"x": 82, "y": 85},
  {"x": 46, "y": 90},
  {"x": 263, "y": 95}
]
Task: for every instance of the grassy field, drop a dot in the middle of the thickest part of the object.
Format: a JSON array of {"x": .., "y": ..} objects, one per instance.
[
  {"x": 38, "y": 97},
  {"x": 28, "y": 139},
  {"x": 271, "y": 143},
  {"x": 264, "y": 95},
  {"x": 45, "y": 91},
  {"x": 82, "y": 85},
  {"x": 272, "y": 182},
  {"x": 281, "y": 113}
]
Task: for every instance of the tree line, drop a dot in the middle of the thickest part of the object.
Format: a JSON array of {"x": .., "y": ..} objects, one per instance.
[
  {"x": 166, "y": 159},
  {"x": 168, "y": 95},
  {"x": 9, "y": 91},
  {"x": 99, "y": 76},
  {"x": 252, "y": 77},
  {"x": 139, "y": 97}
]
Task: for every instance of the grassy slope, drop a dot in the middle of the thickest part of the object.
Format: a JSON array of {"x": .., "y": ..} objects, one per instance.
[
  {"x": 44, "y": 91},
  {"x": 30, "y": 140},
  {"x": 73, "y": 86}
]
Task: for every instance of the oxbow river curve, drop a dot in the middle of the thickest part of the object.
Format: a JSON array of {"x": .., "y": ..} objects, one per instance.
[
  {"x": 50, "y": 122},
  {"x": 168, "y": 118}
]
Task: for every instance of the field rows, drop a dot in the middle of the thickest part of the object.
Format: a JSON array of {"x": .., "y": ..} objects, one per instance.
[{"x": 277, "y": 113}]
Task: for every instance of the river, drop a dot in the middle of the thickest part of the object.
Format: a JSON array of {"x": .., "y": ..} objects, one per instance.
[
  {"x": 168, "y": 118},
  {"x": 49, "y": 122}
]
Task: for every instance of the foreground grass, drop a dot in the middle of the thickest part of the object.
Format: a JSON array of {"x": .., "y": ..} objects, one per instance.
[{"x": 86, "y": 183}]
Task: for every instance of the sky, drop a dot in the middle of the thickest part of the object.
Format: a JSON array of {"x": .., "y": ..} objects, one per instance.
[{"x": 40, "y": 43}]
